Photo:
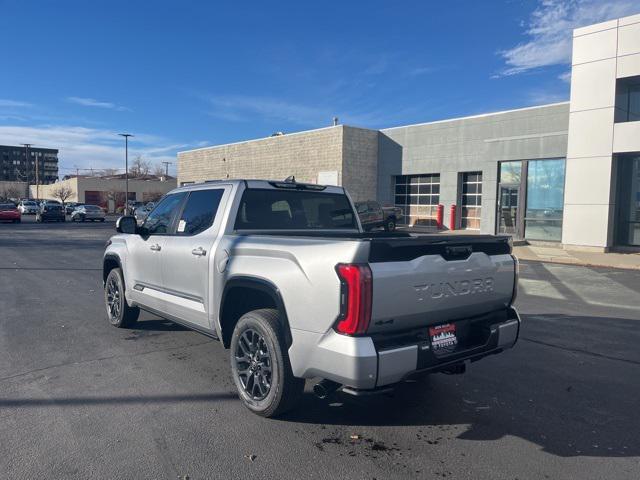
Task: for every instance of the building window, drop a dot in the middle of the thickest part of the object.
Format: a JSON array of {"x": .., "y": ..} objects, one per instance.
[
  {"x": 471, "y": 201},
  {"x": 545, "y": 200},
  {"x": 628, "y": 201},
  {"x": 418, "y": 197},
  {"x": 628, "y": 99},
  {"x": 531, "y": 199}
]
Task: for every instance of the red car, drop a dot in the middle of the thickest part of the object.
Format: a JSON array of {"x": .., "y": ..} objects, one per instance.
[{"x": 9, "y": 212}]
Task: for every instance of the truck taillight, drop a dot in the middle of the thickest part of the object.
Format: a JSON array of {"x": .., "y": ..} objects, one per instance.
[{"x": 355, "y": 298}]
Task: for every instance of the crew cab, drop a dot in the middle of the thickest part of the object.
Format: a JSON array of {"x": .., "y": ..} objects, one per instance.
[{"x": 284, "y": 276}]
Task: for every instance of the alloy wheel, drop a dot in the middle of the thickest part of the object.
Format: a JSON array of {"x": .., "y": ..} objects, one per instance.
[
  {"x": 114, "y": 299},
  {"x": 253, "y": 364}
]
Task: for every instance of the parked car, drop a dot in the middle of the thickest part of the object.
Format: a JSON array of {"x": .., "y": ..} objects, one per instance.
[
  {"x": 283, "y": 275},
  {"x": 10, "y": 213},
  {"x": 71, "y": 206},
  {"x": 28, "y": 207},
  {"x": 50, "y": 212},
  {"x": 373, "y": 215},
  {"x": 88, "y": 212}
]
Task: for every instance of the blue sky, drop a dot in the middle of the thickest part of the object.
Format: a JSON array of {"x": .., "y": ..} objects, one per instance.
[{"x": 180, "y": 75}]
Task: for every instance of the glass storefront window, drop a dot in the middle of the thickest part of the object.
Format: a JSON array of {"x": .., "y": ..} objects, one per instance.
[
  {"x": 510, "y": 172},
  {"x": 545, "y": 199},
  {"x": 628, "y": 218}
]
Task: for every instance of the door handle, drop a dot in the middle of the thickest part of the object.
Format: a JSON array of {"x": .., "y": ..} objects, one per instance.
[
  {"x": 200, "y": 252},
  {"x": 155, "y": 247}
]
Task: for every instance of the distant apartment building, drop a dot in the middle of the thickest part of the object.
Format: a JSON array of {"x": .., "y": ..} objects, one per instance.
[{"x": 41, "y": 164}]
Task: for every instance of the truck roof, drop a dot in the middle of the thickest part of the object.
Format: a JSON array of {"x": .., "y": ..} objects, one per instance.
[{"x": 261, "y": 183}]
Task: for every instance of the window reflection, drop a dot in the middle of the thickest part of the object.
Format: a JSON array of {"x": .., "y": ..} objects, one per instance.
[{"x": 545, "y": 198}]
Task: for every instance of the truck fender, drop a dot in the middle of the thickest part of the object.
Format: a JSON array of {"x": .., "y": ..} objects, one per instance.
[{"x": 236, "y": 300}]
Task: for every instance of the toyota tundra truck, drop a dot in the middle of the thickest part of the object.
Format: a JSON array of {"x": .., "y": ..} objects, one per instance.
[{"x": 283, "y": 275}]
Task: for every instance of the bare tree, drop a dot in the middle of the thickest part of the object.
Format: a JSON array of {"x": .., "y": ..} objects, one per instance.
[
  {"x": 159, "y": 170},
  {"x": 108, "y": 172},
  {"x": 139, "y": 167},
  {"x": 63, "y": 193},
  {"x": 11, "y": 192}
]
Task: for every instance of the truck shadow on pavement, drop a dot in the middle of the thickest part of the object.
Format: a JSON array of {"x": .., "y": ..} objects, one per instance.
[{"x": 567, "y": 401}]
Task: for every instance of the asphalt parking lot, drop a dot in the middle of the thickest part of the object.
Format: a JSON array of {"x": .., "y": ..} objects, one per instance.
[{"x": 81, "y": 399}]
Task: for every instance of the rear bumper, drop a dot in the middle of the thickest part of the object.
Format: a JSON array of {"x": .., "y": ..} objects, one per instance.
[{"x": 365, "y": 363}]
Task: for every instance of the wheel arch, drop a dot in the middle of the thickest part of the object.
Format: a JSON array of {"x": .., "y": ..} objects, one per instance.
[
  {"x": 110, "y": 261},
  {"x": 245, "y": 293}
]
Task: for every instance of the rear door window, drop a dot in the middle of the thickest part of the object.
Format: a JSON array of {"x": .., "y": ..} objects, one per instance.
[
  {"x": 199, "y": 211},
  {"x": 266, "y": 209}
]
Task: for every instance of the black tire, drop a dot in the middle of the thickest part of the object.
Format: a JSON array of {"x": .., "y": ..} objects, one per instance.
[
  {"x": 102, "y": 220},
  {"x": 283, "y": 390},
  {"x": 119, "y": 313},
  {"x": 390, "y": 225},
  {"x": 82, "y": 219}
]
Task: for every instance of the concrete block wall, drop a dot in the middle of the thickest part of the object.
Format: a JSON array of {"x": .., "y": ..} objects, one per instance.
[
  {"x": 301, "y": 154},
  {"x": 360, "y": 162}
]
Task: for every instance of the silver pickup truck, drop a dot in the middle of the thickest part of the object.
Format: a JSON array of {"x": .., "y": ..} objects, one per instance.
[{"x": 284, "y": 276}]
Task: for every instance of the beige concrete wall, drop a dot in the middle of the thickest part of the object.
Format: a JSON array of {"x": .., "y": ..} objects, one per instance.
[
  {"x": 82, "y": 185},
  {"x": 360, "y": 162},
  {"x": 303, "y": 154}
]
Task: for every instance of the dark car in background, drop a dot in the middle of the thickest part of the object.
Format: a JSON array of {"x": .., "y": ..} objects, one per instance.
[
  {"x": 373, "y": 215},
  {"x": 50, "y": 212},
  {"x": 9, "y": 213}
]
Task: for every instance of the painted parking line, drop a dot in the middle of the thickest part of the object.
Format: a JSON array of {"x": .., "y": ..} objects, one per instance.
[{"x": 539, "y": 288}]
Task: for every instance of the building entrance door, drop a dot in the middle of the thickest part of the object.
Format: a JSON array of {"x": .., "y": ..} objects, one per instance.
[{"x": 508, "y": 211}]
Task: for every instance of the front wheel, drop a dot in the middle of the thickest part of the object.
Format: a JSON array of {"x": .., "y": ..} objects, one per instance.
[
  {"x": 119, "y": 313},
  {"x": 260, "y": 365}
]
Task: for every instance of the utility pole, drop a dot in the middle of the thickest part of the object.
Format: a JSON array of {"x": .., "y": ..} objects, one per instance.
[
  {"x": 126, "y": 170},
  {"x": 166, "y": 168},
  {"x": 26, "y": 169}
]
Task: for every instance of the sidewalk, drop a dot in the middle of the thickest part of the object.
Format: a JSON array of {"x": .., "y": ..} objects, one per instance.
[{"x": 629, "y": 261}]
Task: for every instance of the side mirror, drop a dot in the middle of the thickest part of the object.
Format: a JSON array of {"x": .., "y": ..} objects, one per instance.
[{"x": 126, "y": 224}]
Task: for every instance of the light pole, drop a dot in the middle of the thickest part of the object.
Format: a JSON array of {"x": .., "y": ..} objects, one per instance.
[
  {"x": 26, "y": 169},
  {"x": 126, "y": 170}
]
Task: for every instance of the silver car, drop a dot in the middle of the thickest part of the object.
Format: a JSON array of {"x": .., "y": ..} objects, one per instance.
[
  {"x": 88, "y": 212},
  {"x": 28, "y": 207}
]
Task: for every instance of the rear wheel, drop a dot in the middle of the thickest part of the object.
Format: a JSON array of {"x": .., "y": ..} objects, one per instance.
[
  {"x": 260, "y": 365},
  {"x": 119, "y": 313},
  {"x": 82, "y": 219},
  {"x": 102, "y": 219}
]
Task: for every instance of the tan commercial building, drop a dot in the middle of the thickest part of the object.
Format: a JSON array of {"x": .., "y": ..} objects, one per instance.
[
  {"x": 339, "y": 155},
  {"x": 108, "y": 193},
  {"x": 566, "y": 172}
]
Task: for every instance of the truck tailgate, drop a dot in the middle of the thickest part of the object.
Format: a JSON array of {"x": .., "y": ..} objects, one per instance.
[{"x": 425, "y": 282}]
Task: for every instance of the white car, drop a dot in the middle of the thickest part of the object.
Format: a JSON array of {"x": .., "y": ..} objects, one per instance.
[
  {"x": 28, "y": 207},
  {"x": 88, "y": 212}
]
